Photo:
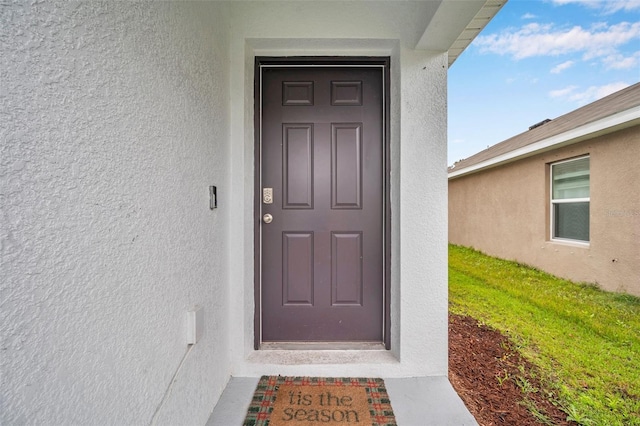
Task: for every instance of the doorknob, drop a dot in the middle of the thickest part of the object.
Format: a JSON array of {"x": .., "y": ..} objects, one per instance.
[{"x": 267, "y": 218}]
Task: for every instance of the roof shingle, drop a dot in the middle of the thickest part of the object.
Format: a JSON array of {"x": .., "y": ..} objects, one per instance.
[{"x": 617, "y": 102}]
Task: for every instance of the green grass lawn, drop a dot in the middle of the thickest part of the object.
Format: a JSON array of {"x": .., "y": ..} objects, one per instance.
[{"x": 585, "y": 342}]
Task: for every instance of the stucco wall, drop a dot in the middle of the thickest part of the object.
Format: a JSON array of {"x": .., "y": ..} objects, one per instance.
[
  {"x": 116, "y": 117},
  {"x": 114, "y": 122},
  {"x": 504, "y": 212},
  {"x": 418, "y": 177}
]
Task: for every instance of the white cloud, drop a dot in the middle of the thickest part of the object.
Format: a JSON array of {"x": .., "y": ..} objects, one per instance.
[
  {"x": 588, "y": 95},
  {"x": 588, "y": 3},
  {"x": 561, "y": 67},
  {"x": 529, "y": 16},
  {"x": 607, "y": 6},
  {"x": 561, "y": 93},
  {"x": 544, "y": 40},
  {"x": 618, "y": 61},
  {"x": 614, "y": 6}
]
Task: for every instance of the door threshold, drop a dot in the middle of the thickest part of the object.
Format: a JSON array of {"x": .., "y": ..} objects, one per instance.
[{"x": 322, "y": 346}]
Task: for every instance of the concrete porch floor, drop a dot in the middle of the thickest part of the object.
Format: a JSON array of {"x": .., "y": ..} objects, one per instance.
[{"x": 416, "y": 401}]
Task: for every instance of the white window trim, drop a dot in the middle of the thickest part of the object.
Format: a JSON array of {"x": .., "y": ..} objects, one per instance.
[{"x": 552, "y": 202}]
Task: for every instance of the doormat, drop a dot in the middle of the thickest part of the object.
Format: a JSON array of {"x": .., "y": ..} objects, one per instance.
[{"x": 313, "y": 401}]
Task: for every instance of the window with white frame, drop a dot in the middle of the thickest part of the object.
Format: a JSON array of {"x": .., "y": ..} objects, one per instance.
[{"x": 570, "y": 200}]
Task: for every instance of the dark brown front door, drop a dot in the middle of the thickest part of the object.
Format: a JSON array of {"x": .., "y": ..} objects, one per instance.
[{"x": 322, "y": 202}]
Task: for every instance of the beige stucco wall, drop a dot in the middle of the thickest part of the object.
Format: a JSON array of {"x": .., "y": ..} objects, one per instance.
[{"x": 504, "y": 212}]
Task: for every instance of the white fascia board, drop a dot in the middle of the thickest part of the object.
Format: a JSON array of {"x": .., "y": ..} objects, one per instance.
[
  {"x": 447, "y": 23},
  {"x": 610, "y": 124}
]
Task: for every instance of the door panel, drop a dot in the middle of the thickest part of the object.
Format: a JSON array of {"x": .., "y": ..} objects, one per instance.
[
  {"x": 346, "y": 165},
  {"x": 322, "y": 151},
  {"x": 346, "y": 268},
  {"x": 297, "y": 267},
  {"x": 297, "y": 166}
]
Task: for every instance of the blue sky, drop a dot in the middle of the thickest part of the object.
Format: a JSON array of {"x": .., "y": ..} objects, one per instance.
[{"x": 539, "y": 59}]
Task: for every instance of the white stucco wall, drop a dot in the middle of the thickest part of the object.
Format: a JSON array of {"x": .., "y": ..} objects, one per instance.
[
  {"x": 116, "y": 117},
  {"x": 114, "y": 122},
  {"x": 419, "y": 197}
]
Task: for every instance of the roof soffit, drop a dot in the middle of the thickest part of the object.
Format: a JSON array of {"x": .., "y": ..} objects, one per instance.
[{"x": 456, "y": 23}]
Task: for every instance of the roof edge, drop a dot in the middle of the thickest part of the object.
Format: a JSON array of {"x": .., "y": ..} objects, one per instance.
[
  {"x": 606, "y": 125},
  {"x": 446, "y": 24},
  {"x": 455, "y": 24}
]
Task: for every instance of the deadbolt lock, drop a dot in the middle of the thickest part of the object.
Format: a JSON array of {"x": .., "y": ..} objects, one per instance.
[{"x": 267, "y": 195}]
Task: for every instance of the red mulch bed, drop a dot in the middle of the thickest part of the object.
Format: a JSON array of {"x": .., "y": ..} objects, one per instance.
[{"x": 478, "y": 355}]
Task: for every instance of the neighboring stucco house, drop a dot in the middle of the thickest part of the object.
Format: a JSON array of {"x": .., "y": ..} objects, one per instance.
[
  {"x": 138, "y": 170},
  {"x": 563, "y": 197}
]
